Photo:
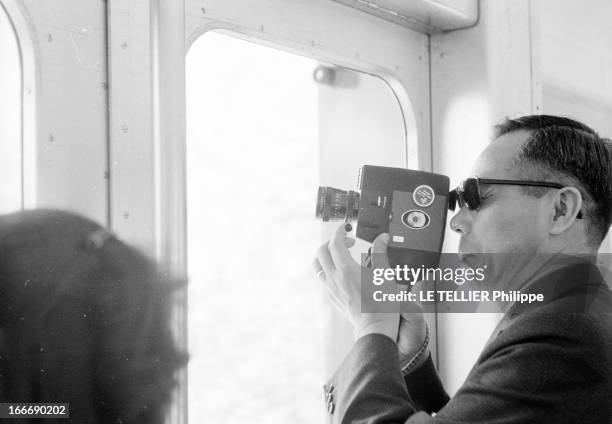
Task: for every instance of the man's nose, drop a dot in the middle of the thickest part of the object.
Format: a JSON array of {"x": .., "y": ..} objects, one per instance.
[{"x": 460, "y": 222}]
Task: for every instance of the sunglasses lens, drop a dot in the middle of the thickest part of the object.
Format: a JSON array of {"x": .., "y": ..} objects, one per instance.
[
  {"x": 470, "y": 193},
  {"x": 466, "y": 194},
  {"x": 452, "y": 200}
]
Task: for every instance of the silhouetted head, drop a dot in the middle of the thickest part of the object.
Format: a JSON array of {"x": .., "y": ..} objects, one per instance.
[{"x": 84, "y": 319}]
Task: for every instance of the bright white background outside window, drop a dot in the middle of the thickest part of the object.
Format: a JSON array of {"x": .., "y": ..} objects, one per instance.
[
  {"x": 260, "y": 133},
  {"x": 256, "y": 316}
]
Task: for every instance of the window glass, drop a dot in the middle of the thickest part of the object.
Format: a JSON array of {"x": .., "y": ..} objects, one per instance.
[
  {"x": 255, "y": 321},
  {"x": 261, "y": 136}
]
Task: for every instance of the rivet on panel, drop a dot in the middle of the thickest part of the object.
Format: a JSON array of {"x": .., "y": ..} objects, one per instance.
[
  {"x": 124, "y": 45},
  {"x": 203, "y": 11},
  {"x": 51, "y": 138},
  {"x": 124, "y": 128},
  {"x": 126, "y": 214}
]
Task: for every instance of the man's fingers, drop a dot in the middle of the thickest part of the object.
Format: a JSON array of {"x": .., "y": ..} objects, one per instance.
[
  {"x": 324, "y": 258},
  {"x": 338, "y": 248},
  {"x": 349, "y": 242},
  {"x": 379, "y": 251},
  {"x": 318, "y": 268},
  {"x": 324, "y": 267}
]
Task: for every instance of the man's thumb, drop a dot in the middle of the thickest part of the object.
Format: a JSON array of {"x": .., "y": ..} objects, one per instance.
[{"x": 379, "y": 251}]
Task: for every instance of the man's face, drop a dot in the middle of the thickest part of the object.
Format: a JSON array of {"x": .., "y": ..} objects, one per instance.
[{"x": 508, "y": 221}]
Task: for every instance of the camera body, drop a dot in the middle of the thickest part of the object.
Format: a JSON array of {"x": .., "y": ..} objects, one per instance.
[{"x": 409, "y": 205}]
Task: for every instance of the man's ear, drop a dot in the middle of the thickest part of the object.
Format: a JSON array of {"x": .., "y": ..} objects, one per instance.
[{"x": 567, "y": 203}]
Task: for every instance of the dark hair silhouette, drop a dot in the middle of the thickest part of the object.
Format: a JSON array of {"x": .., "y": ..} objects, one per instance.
[
  {"x": 563, "y": 147},
  {"x": 84, "y": 320}
]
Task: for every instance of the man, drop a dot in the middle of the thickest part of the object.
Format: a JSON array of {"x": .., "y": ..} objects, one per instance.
[{"x": 547, "y": 362}]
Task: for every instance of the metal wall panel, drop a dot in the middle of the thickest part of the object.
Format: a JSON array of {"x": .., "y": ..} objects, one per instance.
[
  {"x": 63, "y": 48},
  {"x": 429, "y": 16}
]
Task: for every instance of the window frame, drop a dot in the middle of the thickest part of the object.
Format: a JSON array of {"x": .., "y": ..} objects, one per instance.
[
  {"x": 62, "y": 45},
  {"x": 147, "y": 45}
]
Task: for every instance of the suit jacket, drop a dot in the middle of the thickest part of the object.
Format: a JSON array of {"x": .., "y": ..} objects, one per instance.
[{"x": 548, "y": 363}]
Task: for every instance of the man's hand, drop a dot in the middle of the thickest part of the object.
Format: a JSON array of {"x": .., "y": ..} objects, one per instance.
[
  {"x": 342, "y": 276},
  {"x": 412, "y": 333}
]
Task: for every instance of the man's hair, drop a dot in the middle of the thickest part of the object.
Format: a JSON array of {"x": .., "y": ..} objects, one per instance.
[{"x": 573, "y": 154}]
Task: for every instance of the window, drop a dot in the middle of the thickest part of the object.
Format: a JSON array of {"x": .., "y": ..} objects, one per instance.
[{"x": 261, "y": 136}]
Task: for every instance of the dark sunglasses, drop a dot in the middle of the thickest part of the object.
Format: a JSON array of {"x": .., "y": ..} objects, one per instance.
[{"x": 468, "y": 192}]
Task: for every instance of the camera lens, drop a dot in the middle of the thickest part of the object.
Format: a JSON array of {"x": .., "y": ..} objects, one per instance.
[{"x": 337, "y": 205}]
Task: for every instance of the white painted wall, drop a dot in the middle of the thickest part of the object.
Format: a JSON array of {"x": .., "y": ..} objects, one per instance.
[
  {"x": 479, "y": 76},
  {"x": 63, "y": 45},
  {"x": 10, "y": 117}
]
